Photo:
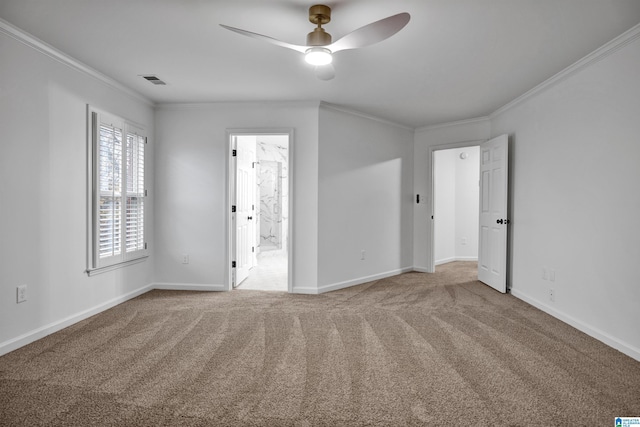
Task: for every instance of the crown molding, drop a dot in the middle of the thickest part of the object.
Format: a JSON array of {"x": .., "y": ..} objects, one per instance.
[
  {"x": 190, "y": 106},
  {"x": 602, "y": 52},
  {"x": 475, "y": 120},
  {"x": 53, "y": 53},
  {"x": 346, "y": 110}
]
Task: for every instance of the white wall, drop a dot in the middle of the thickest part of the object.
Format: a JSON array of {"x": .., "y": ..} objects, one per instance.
[
  {"x": 444, "y": 218},
  {"x": 191, "y": 182},
  {"x": 43, "y": 196},
  {"x": 364, "y": 197},
  {"x": 456, "y": 205},
  {"x": 575, "y": 198},
  {"x": 467, "y": 203}
]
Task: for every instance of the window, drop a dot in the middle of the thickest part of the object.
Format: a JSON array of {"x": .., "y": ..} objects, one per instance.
[{"x": 117, "y": 183}]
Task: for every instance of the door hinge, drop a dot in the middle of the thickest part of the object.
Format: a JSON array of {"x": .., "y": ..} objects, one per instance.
[
  {"x": 145, "y": 245},
  {"x": 233, "y": 264},
  {"x": 253, "y": 249},
  {"x": 253, "y": 165},
  {"x": 233, "y": 208},
  {"x": 234, "y": 153},
  {"x": 146, "y": 193}
]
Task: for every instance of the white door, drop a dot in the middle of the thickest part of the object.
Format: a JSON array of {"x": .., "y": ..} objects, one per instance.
[
  {"x": 245, "y": 205},
  {"x": 492, "y": 251}
]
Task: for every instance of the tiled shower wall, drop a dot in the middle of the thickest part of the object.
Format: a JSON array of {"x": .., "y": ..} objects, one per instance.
[{"x": 273, "y": 187}]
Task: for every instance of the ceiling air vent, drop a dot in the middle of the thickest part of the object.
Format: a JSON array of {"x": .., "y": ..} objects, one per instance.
[{"x": 153, "y": 79}]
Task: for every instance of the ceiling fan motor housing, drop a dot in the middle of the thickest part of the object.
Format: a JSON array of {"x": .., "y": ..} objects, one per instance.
[
  {"x": 318, "y": 37},
  {"x": 319, "y": 15}
]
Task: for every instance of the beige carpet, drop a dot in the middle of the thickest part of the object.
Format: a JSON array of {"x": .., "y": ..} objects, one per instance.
[{"x": 415, "y": 349}]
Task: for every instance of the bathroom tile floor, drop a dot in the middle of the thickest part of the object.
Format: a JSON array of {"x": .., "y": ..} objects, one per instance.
[{"x": 270, "y": 274}]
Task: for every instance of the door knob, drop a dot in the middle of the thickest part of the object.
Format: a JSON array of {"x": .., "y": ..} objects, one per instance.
[
  {"x": 499, "y": 221},
  {"x": 250, "y": 218},
  {"x": 503, "y": 221}
]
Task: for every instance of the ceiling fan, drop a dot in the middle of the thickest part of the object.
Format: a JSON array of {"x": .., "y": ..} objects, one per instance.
[{"x": 320, "y": 48}]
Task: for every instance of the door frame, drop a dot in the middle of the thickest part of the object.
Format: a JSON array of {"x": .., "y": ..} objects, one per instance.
[
  {"x": 230, "y": 190},
  {"x": 431, "y": 264}
]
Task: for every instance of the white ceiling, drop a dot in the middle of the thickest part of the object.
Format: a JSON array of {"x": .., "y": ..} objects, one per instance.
[{"x": 455, "y": 60}]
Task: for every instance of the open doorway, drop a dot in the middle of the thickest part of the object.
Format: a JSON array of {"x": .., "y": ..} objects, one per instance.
[
  {"x": 491, "y": 208},
  {"x": 456, "y": 204},
  {"x": 260, "y": 216}
]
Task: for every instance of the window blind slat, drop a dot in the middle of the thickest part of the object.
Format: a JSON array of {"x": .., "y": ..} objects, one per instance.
[{"x": 109, "y": 227}]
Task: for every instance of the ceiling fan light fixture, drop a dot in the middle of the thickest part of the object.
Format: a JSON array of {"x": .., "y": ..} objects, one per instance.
[
  {"x": 319, "y": 48},
  {"x": 318, "y": 56}
]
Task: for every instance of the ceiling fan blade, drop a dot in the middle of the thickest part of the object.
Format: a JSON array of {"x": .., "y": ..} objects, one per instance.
[
  {"x": 267, "y": 39},
  {"x": 325, "y": 72},
  {"x": 372, "y": 33}
]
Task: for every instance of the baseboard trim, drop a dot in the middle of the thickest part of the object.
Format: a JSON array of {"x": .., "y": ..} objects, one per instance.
[
  {"x": 604, "y": 337},
  {"x": 305, "y": 291},
  {"x": 454, "y": 259},
  {"x": 188, "y": 287},
  {"x": 43, "y": 331},
  {"x": 467, "y": 258},
  {"x": 361, "y": 280}
]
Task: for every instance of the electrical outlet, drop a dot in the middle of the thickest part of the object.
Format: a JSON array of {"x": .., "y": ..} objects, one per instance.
[
  {"x": 552, "y": 275},
  {"x": 185, "y": 258},
  {"x": 21, "y": 293},
  {"x": 544, "y": 274},
  {"x": 463, "y": 241},
  {"x": 363, "y": 254},
  {"x": 552, "y": 295}
]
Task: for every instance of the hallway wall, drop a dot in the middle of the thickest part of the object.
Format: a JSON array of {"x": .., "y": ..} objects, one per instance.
[{"x": 456, "y": 204}]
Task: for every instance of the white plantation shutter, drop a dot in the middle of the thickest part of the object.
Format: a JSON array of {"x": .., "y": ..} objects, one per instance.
[
  {"x": 110, "y": 191},
  {"x": 134, "y": 218},
  {"x": 118, "y": 191}
]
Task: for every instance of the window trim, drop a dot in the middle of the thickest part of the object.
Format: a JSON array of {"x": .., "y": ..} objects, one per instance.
[{"x": 95, "y": 265}]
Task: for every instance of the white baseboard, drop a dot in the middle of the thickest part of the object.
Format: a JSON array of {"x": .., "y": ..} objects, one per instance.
[
  {"x": 305, "y": 290},
  {"x": 444, "y": 260},
  {"x": 188, "y": 287},
  {"x": 36, "y": 334},
  {"x": 604, "y": 337},
  {"x": 361, "y": 280},
  {"x": 452, "y": 259}
]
